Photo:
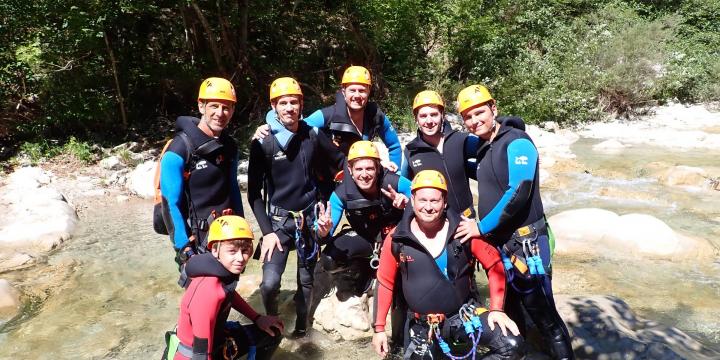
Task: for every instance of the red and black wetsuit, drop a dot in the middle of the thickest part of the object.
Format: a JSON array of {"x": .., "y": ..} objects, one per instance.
[
  {"x": 428, "y": 291},
  {"x": 205, "y": 307}
]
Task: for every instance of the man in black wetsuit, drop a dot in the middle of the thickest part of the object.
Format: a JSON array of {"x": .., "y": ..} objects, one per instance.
[
  {"x": 199, "y": 171},
  {"x": 511, "y": 216},
  {"x": 283, "y": 163}
]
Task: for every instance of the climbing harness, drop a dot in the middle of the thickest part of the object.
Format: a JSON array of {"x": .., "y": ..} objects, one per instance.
[
  {"x": 305, "y": 251},
  {"x": 469, "y": 315}
]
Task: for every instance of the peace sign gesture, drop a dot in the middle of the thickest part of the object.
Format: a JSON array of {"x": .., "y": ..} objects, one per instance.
[
  {"x": 323, "y": 219},
  {"x": 398, "y": 200}
]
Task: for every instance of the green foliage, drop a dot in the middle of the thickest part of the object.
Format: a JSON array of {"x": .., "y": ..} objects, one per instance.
[
  {"x": 80, "y": 150},
  {"x": 105, "y": 71},
  {"x": 42, "y": 150}
]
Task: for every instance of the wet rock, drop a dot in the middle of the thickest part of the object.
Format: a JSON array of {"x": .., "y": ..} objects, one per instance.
[
  {"x": 611, "y": 146},
  {"x": 111, "y": 163},
  {"x": 9, "y": 301},
  {"x": 605, "y": 233},
  {"x": 349, "y": 319},
  {"x": 141, "y": 180},
  {"x": 14, "y": 261},
  {"x": 684, "y": 175},
  {"x": 553, "y": 144},
  {"x": 604, "y": 327}
]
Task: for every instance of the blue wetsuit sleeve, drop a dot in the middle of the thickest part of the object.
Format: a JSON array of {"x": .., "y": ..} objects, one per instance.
[
  {"x": 472, "y": 144},
  {"x": 404, "y": 165},
  {"x": 522, "y": 157},
  {"x": 235, "y": 198},
  {"x": 315, "y": 119},
  {"x": 171, "y": 186},
  {"x": 390, "y": 139},
  {"x": 337, "y": 211},
  {"x": 404, "y": 186}
]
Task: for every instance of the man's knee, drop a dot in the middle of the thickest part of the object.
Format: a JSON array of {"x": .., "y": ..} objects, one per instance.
[{"x": 270, "y": 284}]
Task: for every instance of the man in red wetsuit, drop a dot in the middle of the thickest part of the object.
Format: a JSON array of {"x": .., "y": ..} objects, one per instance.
[
  {"x": 202, "y": 328},
  {"x": 436, "y": 271}
]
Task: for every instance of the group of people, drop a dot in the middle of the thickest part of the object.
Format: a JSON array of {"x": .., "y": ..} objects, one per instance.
[{"x": 411, "y": 227}]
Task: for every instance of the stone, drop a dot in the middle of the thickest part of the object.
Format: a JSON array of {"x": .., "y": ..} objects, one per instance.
[
  {"x": 9, "y": 297},
  {"x": 611, "y": 146},
  {"x": 111, "y": 163},
  {"x": 122, "y": 198},
  {"x": 349, "y": 319},
  {"x": 15, "y": 261},
  {"x": 684, "y": 175},
  {"x": 604, "y": 327},
  {"x": 604, "y": 233},
  {"x": 141, "y": 181}
]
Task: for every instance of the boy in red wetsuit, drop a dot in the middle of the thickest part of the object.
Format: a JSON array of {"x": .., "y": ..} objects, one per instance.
[
  {"x": 436, "y": 272},
  {"x": 202, "y": 328}
]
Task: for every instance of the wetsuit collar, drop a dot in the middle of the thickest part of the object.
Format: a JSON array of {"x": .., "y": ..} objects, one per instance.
[
  {"x": 281, "y": 133},
  {"x": 419, "y": 141},
  {"x": 403, "y": 227},
  {"x": 189, "y": 125},
  {"x": 207, "y": 265}
]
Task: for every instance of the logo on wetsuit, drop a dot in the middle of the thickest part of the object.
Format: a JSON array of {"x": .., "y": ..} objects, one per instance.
[
  {"x": 405, "y": 258},
  {"x": 279, "y": 156},
  {"x": 201, "y": 164},
  {"x": 521, "y": 160},
  {"x": 417, "y": 162}
]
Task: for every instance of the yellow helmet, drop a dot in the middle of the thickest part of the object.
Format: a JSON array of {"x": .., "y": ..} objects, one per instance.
[
  {"x": 356, "y": 75},
  {"x": 363, "y": 149},
  {"x": 229, "y": 227},
  {"x": 471, "y": 96},
  {"x": 427, "y": 97},
  {"x": 429, "y": 179},
  {"x": 215, "y": 88},
  {"x": 284, "y": 86}
]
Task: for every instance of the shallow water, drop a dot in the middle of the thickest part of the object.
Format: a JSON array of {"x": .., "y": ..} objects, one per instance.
[{"x": 113, "y": 292}]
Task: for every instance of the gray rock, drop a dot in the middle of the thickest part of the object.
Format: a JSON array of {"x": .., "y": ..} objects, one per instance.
[
  {"x": 604, "y": 327},
  {"x": 141, "y": 180},
  {"x": 112, "y": 163}
]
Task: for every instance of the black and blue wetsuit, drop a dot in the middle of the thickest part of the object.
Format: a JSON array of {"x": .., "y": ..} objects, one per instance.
[
  {"x": 210, "y": 186},
  {"x": 510, "y": 213},
  {"x": 284, "y": 163},
  {"x": 336, "y": 123},
  {"x": 458, "y": 151}
]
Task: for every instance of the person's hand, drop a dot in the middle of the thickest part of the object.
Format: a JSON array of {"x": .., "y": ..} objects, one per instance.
[
  {"x": 398, "y": 200},
  {"x": 389, "y": 165},
  {"x": 467, "y": 229},
  {"x": 266, "y": 323},
  {"x": 380, "y": 343},
  {"x": 503, "y": 321},
  {"x": 261, "y": 132},
  {"x": 269, "y": 243},
  {"x": 324, "y": 219}
]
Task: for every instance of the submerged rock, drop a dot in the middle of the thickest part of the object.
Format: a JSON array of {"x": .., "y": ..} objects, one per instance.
[
  {"x": 9, "y": 301},
  {"x": 598, "y": 231},
  {"x": 604, "y": 327}
]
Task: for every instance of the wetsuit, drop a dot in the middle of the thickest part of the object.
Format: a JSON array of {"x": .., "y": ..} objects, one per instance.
[
  {"x": 335, "y": 121},
  {"x": 458, "y": 148},
  {"x": 440, "y": 285},
  {"x": 370, "y": 220},
  {"x": 512, "y": 217},
  {"x": 204, "y": 309},
  {"x": 193, "y": 190},
  {"x": 284, "y": 163}
]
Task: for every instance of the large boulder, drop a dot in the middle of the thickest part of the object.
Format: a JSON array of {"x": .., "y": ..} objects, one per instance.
[
  {"x": 36, "y": 218},
  {"x": 598, "y": 231},
  {"x": 604, "y": 327},
  {"x": 141, "y": 181}
]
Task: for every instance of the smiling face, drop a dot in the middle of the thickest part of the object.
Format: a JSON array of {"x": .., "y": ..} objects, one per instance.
[
  {"x": 356, "y": 96},
  {"x": 364, "y": 173},
  {"x": 428, "y": 206},
  {"x": 429, "y": 120},
  {"x": 288, "y": 108},
  {"x": 233, "y": 254},
  {"x": 216, "y": 114},
  {"x": 480, "y": 120}
]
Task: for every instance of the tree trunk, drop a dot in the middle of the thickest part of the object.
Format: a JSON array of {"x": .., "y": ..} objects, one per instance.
[
  {"x": 121, "y": 101},
  {"x": 210, "y": 38}
]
